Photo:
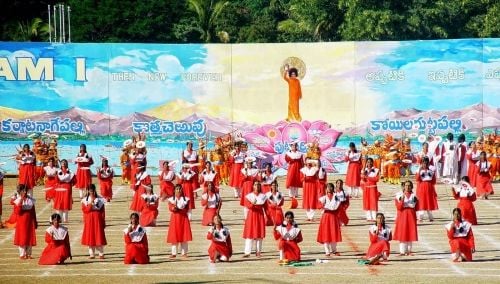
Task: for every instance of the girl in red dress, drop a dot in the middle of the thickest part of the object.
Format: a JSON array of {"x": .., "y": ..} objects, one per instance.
[
  {"x": 460, "y": 237},
  {"x": 483, "y": 178},
  {"x": 63, "y": 198},
  {"x": 27, "y": 161},
  {"x": 57, "y": 238},
  {"x": 137, "y": 159},
  {"x": 93, "y": 234},
  {"x": 190, "y": 156},
  {"x": 254, "y": 230},
  {"x": 344, "y": 201},
  {"x": 11, "y": 222},
  {"x": 105, "y": 175},
  {"x": 236, "y": 160},
  {"x": 329, "y": 233},
  {"x": 136, "y": 242},
  {"x": 209, "y": 175},
  {"x": 179, "y": 230},
  {"x": 221, "y": 248},
  {"x": 309, "y": 175},
  {"x": 142, "y": 180},
  {"x": 370, "y": 177},
  {"x": 380, "y": 236},
  {"x": 289, "y": 236},
  {"x": 295, "y": 160},
  {"x": 167, "y": 177},
  {"x": 249, "y": 175},
  {"x": 472, "y": 157},
  {"x": 50, "y": 179},
  {"x": 25, "y": 235},
  {"x": 405, "y": 230},
  {"x": 186, "y": 179},
  {"x": 149, "y": 211},
  {"x": 426, "y": 191},
  {"x": 83, "y": 174},
  {"x": 465, "y": 194},
  {"x": 353, "y": 177},
  {"x": 275, "y": 200},
  {"x": 267, "y": 178},
  {"x": 212, "y": 202}
]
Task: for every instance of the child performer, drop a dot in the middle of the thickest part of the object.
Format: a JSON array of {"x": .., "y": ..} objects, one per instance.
[
  {"x": 105, "y": 175},
  {"x": 212, "y": 202},
  {"x": 426, "y": 191},
  {"x": 27, "y": 161},
  {"x": 83, "y": 174},
  {"x": 25, "y": 236},
  {"x": 50, "y": 179},
  {"x": 483, "y": 180},
  {"x": 63, "y": 198},
  {"x": 353, "y": 178},
  {"x": 267, "y": 177},
  {"x": 295, "y": 160},
  {"x": 461, "y": 238},
  {"x": 142, "y": 180},
  {"x": 344, "y": 202},
  {"x": 221, "y": 248},
  {"x": 136, "y": 242},
  {"x": 179, "y": 230},
  {"x": 275, "y": 200},
  {"x": 93, "y": 234},
  {"x": 309, "y": 175},
  {"x": 249, "y": 175},
  {"x": 209, "y": 175},
  {"x": 329, "y": 233},
  {"x": 380, "y": 235},
  {"x": 254, "y": 229},
  {"x": 405, "y": 230},
  {"x": 288, "y": 235},
  {"x": 186, "y": 179},
  {"x": 149, "y": 211},
  {"x": 466, "y": 194},
  {"x": 167, "y": 177},
  {"x": 57, "y": 238},
  {"x": 370, "y": 177}
]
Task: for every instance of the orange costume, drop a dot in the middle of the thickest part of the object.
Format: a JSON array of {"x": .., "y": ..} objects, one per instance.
[{"x": 294, "y": 95}]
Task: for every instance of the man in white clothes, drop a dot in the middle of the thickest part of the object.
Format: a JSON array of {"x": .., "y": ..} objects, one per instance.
[{"x": 449, "y": 154}]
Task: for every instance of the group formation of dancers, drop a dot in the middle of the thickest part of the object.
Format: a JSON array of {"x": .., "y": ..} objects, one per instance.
[{"x": 259, "y": 196}]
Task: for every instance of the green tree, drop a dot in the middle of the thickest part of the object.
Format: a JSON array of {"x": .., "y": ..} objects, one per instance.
[{"x": 207, "y": 12}]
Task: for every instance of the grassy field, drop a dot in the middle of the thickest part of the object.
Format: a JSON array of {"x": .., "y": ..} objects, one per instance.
[{"x": 431, "y": 262}]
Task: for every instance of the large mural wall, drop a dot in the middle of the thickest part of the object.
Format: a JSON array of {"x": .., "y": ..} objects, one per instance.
[{"x": 101, "y": 94}]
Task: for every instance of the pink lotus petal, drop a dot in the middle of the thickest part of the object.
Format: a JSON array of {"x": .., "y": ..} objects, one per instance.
[
  {"x": 260, "y": 142},
  {"x": 319, "y": 125},
  {"x": 294, "y": 132},
  {"x": 306, "y": 124},
  {"x": 334, "y": 155},
  {"x": 328, "y": 139}
]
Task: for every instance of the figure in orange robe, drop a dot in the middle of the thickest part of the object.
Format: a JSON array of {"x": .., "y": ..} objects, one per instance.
[{"x": 294, "y": 93}]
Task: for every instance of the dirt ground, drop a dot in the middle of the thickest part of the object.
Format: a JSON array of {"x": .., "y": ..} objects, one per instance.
[{"x": 430, "y": 263}]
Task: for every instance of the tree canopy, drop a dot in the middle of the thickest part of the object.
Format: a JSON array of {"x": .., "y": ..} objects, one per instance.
[{"x": 253, "y": 21}]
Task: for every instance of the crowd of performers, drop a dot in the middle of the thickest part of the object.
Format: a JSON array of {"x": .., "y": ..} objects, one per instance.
[{"x": 262, "y": 202}]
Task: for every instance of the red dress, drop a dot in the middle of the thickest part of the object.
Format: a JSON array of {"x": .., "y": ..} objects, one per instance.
[
  {"x": 149, "y": 211},
  {"x": 310, "y": 187},
  {"x": 27, "y": 169},
  {"x": 212, "y": 203},
  {"x": 236, "y": 160},
  {"x": 83, "y": 173},
  {"x": 63, "y": 198},
  {"x": 295, "y": 163},
  {"x": 322, "y": 178},
  {"x": 166, "y": 183},
  {"x": 379, "y": 241},
  {"x": 93, "y": 223},
  {"x": 248, "y": 177},
  {"x": 135, "y": 160},
  {"x": 461, "y": 238},
  {"x": 370, "y": 190},
  {"x": 344, "y": 204},
  {"x": 210, "y": 176},
  {"x": 465, "y": 195},
  {"x": 353, "y": 177},
  {"x": 267, "y": 179},
  {"x": 136, "y": 246},
  {"x": 179, "y": 228},
  {"x": 186, "y": 179},
  {"x": 426, "y": 191},
  {"x": 255, "y": 223},
  {"x": 58, "y": 248},
  {"x": 105, "y": 176},
  {"x": 11, "y": 222},
  {"x": 472, "y": 171},
  {"x": 26, "y": 225},
  {"x": 142, "y": 179},
  {"x": 191, "y": 157},
  {"x": 329, "y": 226},
  {"x": 405, "y": 229},
  {"x": 50, "y": 182},
  {"x": 483, "y": 185},
  {"x": 289, "y": 236},
  {"x": 220, "y": 243},
  {"x": 274, "y": 212}
]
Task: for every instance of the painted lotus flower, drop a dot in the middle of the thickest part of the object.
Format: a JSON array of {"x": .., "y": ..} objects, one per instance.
[{"x": 273, "y": 141}]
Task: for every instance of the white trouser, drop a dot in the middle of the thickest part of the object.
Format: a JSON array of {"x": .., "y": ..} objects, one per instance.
[
  {"x": 25, "y": 250},
  {"x": 353, "y": 191},
  {"x": 184, "y": 248},
  {"x": 237, "y": 192},
  {"x": 405, "y": 247},
  {"x": 420, "y": 214},
  {"x": 249, "y": 244},
  {"x": 371, "y": 215},
  {"x": 100, "y": 250},
  {"x": 293, "y": 192},
  {"x": 330, "y": 248},
  {"x": 189, "y": 214},
  {"x": 245, "y": 213},
  {"x": 63, "y": 214},
  {"x": 310, "y": 213}
]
